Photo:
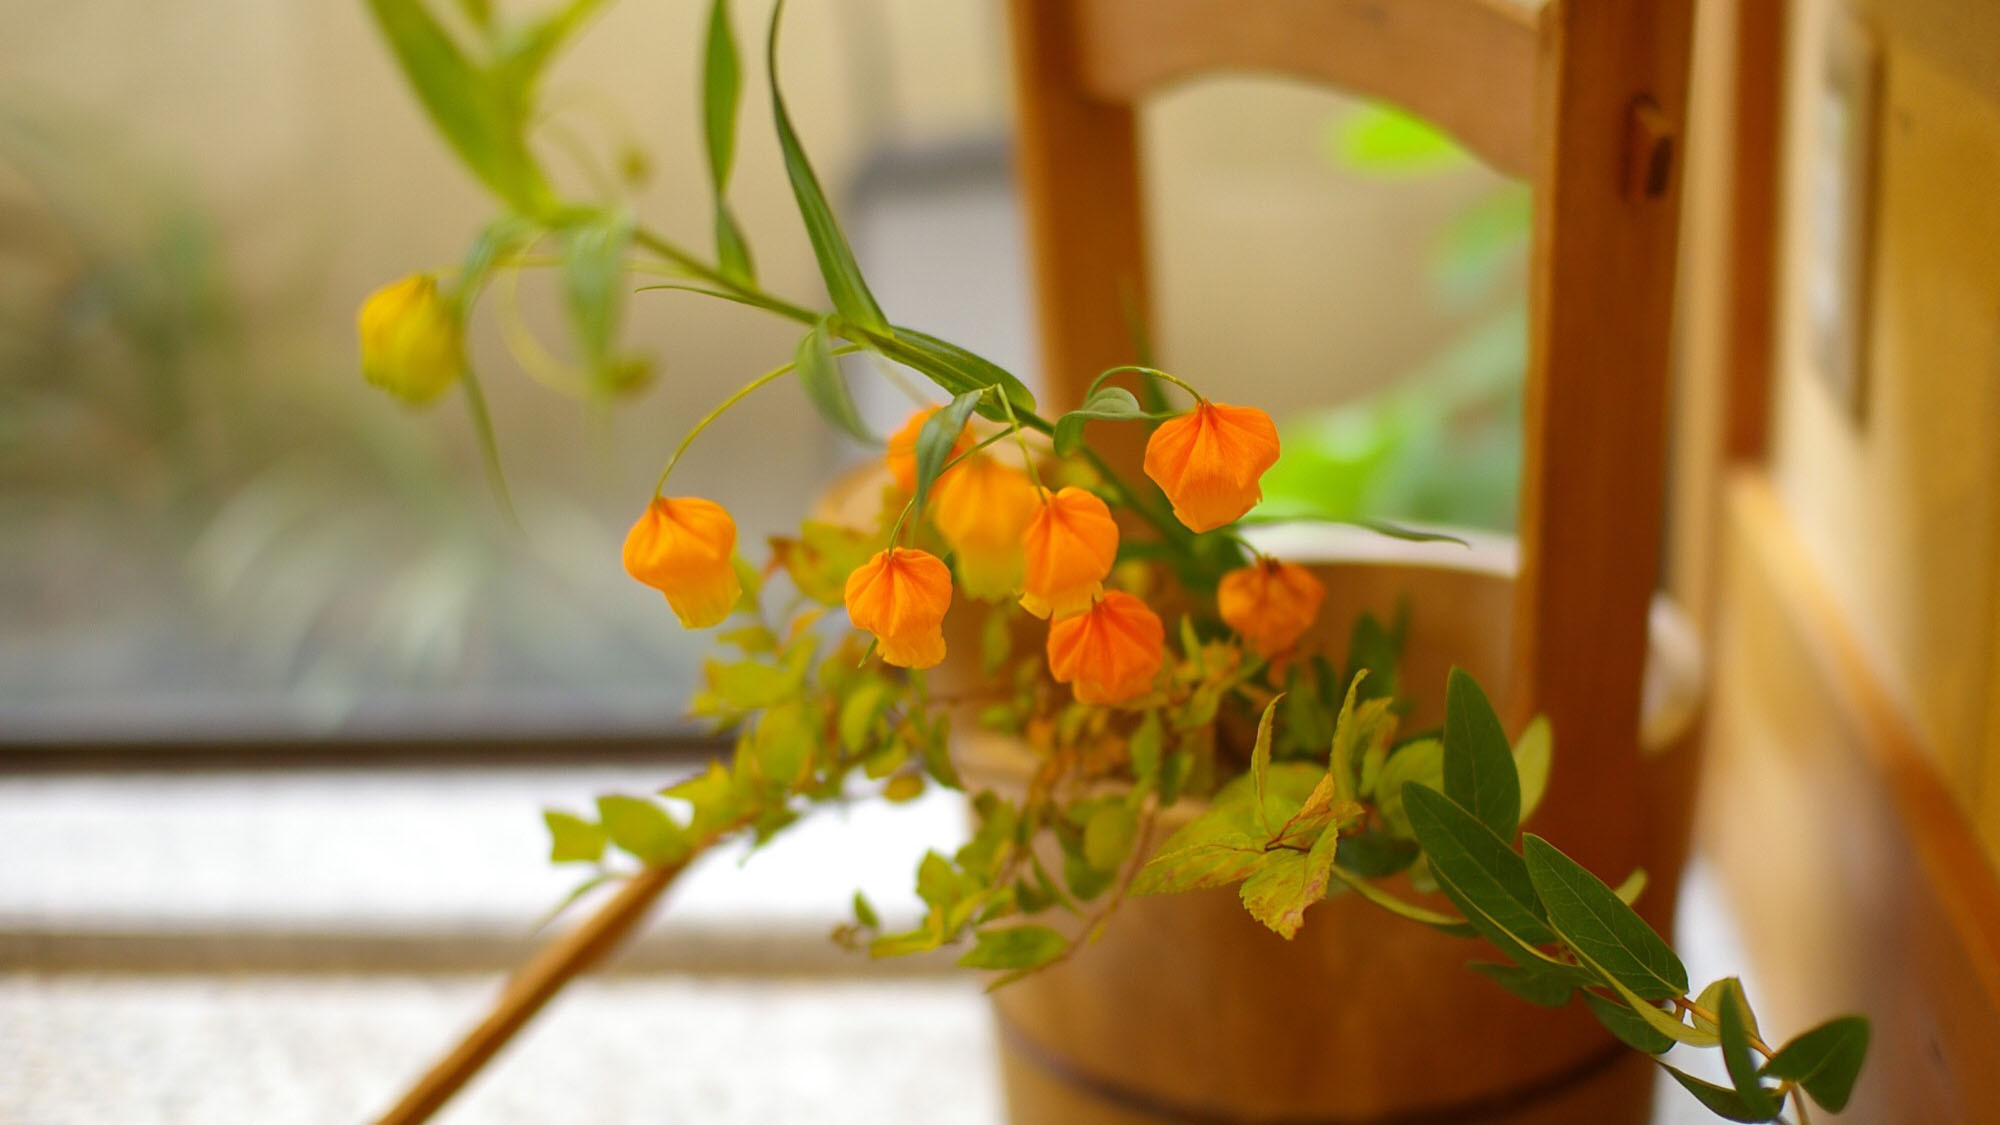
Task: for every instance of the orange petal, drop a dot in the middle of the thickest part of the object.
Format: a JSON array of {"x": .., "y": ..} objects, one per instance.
[
  {"x": 1071, "y": 545},
  {"x": 899, "y": 593},
  {"x": 1270, "y": 603},
  {"x": 1111, "y": 652},
  {"x": 902, "y": 453},
  {"x": 982, "y": 509},
  {"x": 1209, "y": 460},
  {"x": 683, "y": 547}
]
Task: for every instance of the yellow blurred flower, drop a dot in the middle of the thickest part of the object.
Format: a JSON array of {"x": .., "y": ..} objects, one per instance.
[
  {"x": 412, "y": 344},
  {"x": 982, "y": 508}
]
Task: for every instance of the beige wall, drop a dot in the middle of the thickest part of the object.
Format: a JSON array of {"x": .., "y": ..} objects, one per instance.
[{"x": 1901, "y": 510}]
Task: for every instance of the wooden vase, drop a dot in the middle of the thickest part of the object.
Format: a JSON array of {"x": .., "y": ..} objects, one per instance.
[{"x": 1188, "y": 1010}]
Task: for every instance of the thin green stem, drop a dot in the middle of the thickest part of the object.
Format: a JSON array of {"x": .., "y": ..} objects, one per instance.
[
  {"x": 742, "y": 393},
  {"x": 1153, "y": 371},
  {"x": 1027, "y": 456},
  {"x": 489, "y": 446}
]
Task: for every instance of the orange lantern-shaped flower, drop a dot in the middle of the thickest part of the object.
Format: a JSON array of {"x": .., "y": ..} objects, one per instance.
[
  {"x": 901, "y": 596},
  {"x": 1070, "y": 545},
  {"x": 902, "y": 455},
  {"x": 684, "y": 548},
  {"x": 1270, "y": 603},
  {"x": 983, "y": 508},
  {"x": 1209, "y": 459},
  {"x": 1111, "y": 652}
]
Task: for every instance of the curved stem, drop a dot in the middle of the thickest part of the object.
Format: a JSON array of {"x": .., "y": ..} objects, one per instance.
[
  {"x": 742, "y": 393},
  {"x": 1142, "y": 370}
]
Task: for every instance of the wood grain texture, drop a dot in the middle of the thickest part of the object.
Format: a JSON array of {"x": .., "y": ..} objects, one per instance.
[
  {"x": 1467, "y": 65},
  {"x": 1592, "y": 482},
  {"x": 1858, "y": 881}
]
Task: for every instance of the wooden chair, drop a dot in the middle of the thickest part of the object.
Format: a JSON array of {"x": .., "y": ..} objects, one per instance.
[{"x": 1585, "y": 100}]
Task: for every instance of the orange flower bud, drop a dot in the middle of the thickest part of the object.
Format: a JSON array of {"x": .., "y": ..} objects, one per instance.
[
  {"x": 1070, "y": 546},
  {"x": 684, "y": 548},
  {"x": 1109, "y": 653},
  {"x": 1270, "y": 603},
  {"x": 1208, "y": 460},
  {"x": 982, "y": 508},
  {"x": 902, "y": 455},
  {"x": 901, "y": 595}
]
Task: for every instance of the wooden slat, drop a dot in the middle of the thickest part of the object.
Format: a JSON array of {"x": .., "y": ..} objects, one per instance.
[
  {"x": 1854, "y": 873},
  {"x": 1754, "y": 225},
  {"x": 1078, "y": 169},
  {"x": 1615, "y": 73},
  {"x": 1467, "y": 65}
]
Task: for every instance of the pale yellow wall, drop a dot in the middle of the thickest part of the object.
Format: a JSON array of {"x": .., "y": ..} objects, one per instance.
[{"x": 1902, "y": 511}]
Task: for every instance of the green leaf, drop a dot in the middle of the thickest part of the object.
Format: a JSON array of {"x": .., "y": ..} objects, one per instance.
[
  {"x": 1825, "y": 1060},
  {"x": 1468, "y": 856},
  {"x": 713, "y": 797},
  {"x": 864, "y": 912},
  {"x": 958, "y": 371},
  {"x": 820, "y": 375},
  {"x": 1144, "y": 750},
  {"x": 573, "y": 839},
  {"x": 1719, "y": 1100},
  {"x": 642, "y": 828},
  {"x": 593, "y": 264},
  {"x": 1014, "y": 947},
  {"x": 1596, "y": 924},
  {"x": 1217, "y": 848},
  {"x": 466, "y": 103},
  {"x": 721, "y": 93},
  {"x": 1107, "y": 839},
  {"x": 1260, "y": 764},
  {"x": 1478, "y": 763},
  {"x": 1534, "y": 752},
  {"x": 1285, "y": 882},
  {"x": 858, "y": 711},
  {"x": 1374, "y": 854},
  {"x": 1421, "y": 762},
  {"x": 844, "y": 283},
  {"x": 937, "y": 439},
  {"x": 1632, "y": 1028},
  {"x": 1457, "y": 927},
  {"x": 1106, "y": 403},
  {"x": 1308, "y": 721},
  {"x": 1545, "y": 989},
  {"x": 1408, "y": 534},
  {"x": 1736, "y": 1026},
  {"x": 1358, "y": 733}
]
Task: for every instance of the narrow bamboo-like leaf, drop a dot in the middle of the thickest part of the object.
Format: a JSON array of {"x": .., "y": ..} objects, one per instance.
[
  {"x": 1534, "y": 752},
  {"x": 1478, "y": 763},
  {"x": 573, "y": 839},
  {"x": 937, "y": 439},
  {"x": 466, "y": 104},
  {"x": 593, "y": 264},
  {"x": 1537, "y": 987},
  {"x": 1432, "y": 918},
  {"x": 1260, "y": 763},
  {"x": 1735, "y": 1026},
  {"x": 837, "y": 267},
  {"x": 1106, "y": 403},
  {"x": 820, "y": 375},
  {"x": 1825, "y": 1060},
  {"x": 1633, "y": 1028},
  {"x": 1667, "y": 1024},
  {"x": 1014, "y": 947},
  {"x": 1407, "y": 534},
  {"x": 1595, "y": 923},
  {"x": 1467, "y": 853},
  {"x": 1719, "y": 1100},
  {"x": 722, "y": 87},
  {"x": 957, "y": 370}
]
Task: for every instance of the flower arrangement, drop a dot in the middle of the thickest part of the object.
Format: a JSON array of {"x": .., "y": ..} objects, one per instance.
[{"x": 1117, "y": 625}]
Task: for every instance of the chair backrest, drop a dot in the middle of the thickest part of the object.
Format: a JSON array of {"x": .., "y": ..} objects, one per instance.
[{"x": 1583, "y": 98}]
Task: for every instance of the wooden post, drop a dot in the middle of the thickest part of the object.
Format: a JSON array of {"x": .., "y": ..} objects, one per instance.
[{"x": 1611, "y": 106}]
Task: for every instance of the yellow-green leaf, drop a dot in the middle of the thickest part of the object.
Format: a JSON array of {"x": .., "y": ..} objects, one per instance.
[{"x": 573, "y": 839}]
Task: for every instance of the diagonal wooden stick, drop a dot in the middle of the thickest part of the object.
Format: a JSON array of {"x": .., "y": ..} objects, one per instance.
[{"x": 532, "y": 986}]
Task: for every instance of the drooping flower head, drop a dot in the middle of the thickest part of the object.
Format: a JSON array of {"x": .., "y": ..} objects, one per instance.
[
  {"x": 1209, "y": 459},
  {"x": 901, "y": 596},
  {"x": 1270, "y": 603},
  {"x": 411, "y": 342},
  {"x": 983, "y": 508},
  {"x": 902, "y": 454},
  {"x": 1110, "y": 652},
  {"x": 684, "y": 548},
  {"x": 1071, "y": 544}
]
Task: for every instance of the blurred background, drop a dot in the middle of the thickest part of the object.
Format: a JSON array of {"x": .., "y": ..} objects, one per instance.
[{"x": 213, "y": 528}]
